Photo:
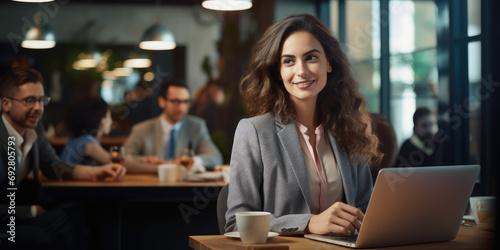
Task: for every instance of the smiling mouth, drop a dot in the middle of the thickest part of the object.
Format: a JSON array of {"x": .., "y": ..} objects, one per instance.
[
  {"x": 304, "y": 84},
  {"x": 34, "y": 117}
]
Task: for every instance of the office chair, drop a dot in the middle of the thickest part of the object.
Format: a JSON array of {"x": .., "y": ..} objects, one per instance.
[
  {"x": 383, "y": 129},
  {"x": 222, "y": 208}
]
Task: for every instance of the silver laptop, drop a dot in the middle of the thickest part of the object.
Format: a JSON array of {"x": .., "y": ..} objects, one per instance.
[{"x": 411, "y": 206}]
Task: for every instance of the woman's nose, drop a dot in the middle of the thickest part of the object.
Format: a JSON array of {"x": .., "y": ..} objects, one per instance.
[{"x": 302, "y": 69}]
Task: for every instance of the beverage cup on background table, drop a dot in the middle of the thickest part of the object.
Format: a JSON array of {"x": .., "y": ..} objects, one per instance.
[
  {"x": 168, "y": 173},
  {"x": 253, "y": 226},
  {"x": 117, "y": 154},
  {"x": 483, "y": 210},
  {"x": 225, "y": 173}
]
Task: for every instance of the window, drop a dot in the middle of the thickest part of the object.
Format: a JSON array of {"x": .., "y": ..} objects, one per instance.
[{"x": 426, "y": 54}]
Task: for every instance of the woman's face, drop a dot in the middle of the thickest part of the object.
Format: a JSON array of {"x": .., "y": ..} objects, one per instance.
[
  {"x": 303, "y": 66},
  {"x": 106, "y": 123}
]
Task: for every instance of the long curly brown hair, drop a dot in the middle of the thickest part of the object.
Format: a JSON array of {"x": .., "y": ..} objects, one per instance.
[{"x": 340, "y": 106}]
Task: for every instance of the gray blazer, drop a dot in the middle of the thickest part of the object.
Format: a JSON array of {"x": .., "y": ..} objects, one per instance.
[
  {"x": 268, "y": 173},
  {"x": 146, "y": 138}
]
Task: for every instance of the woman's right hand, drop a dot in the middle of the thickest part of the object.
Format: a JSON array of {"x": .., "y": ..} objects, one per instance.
[{"x": 338, "y": 218}]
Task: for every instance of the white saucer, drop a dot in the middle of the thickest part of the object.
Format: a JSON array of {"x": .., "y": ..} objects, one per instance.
[
  {"x": 237, "y": 234},
  {"x": 468, "y": 217}
]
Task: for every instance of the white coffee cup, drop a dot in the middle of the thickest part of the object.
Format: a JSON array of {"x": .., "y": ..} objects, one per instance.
[
  {"x": 253, "y": 226},
  {"x": 483, "y": 210},
  {"x": 168, "y": 172},
  {"x": 225, "y": 173}
]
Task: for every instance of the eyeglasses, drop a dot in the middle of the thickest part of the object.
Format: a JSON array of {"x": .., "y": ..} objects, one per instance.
[
  {"x": 30, "y": 101},
  {"x": 177, "y": 102}
]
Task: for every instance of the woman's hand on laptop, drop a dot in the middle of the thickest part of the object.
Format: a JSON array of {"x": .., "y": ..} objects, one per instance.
[{"x": 338, "y": 218}]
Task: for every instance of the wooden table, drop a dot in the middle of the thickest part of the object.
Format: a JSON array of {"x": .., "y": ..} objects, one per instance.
[
  {"x": 468, "y": 238},
  {"x": 130, "y": 180},
  {"x": 105, "y": 141},
  {"x": 138, "y": 187},
  {"x": 140, "y": 212}
]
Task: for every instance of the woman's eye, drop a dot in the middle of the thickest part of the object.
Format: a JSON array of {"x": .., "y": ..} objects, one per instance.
[
  {"x": 312, "y": 57},
  {"x": 287, "y": 61}
]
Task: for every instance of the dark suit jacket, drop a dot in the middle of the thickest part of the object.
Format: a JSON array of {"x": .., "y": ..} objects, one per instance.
[{"x": 42, "y": 156}]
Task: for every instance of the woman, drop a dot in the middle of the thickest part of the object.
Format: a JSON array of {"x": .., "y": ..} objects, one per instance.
[
  {"x": 304, "y": 155},
  {"x": 88, "y": 120}
]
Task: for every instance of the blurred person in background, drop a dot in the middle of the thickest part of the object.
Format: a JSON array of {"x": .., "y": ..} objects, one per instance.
[
  {"x": 88, "y": 120},
  {"x": 22, "y": 138},
  {"x": 422, "y": 148},
  {"x": 164, "y": 138}
]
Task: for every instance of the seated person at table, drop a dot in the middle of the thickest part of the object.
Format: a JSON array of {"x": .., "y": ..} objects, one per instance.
[
  {"x": 422, "y": 148},
  {"x": 25, "y": 148},
  {"x": 88, "y": 120},
  {"x": 166, "y": 136},
  {"x": 303, "y": 155}
]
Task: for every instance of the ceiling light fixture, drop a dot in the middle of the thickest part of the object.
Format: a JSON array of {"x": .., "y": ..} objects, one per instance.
[
  {"x": 39, "y": 36},
  {"x": 137, "y": 60},
  {"x": 157, "y": 37},
  {"x": 33, "y": 1},
  {"x": 87, "y": 60},
  {"x": 227, "y": 5},
  {"x": 121, "y": 71}
]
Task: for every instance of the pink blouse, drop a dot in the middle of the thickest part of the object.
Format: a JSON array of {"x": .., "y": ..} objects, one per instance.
[{"x": 325, "y": 182}]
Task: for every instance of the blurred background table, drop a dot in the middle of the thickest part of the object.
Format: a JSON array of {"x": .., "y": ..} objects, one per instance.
[
  {"x": 58, "y": 143},
  {"x": 140, "y": 212}
]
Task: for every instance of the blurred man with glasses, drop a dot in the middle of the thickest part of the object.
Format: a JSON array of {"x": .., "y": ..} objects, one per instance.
[
  {"x": 163, "y": 138},
  {"x": 24, "y": 148}
]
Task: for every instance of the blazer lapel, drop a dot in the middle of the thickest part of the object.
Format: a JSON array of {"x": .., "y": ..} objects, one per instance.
[
  {"x": 345, "y": 169},
  {"x": 293, "y": 156},
  {"x": 3, "y": 154},
  {"x": 158, "y": 138},
  {"x": 33, "y": 156}
]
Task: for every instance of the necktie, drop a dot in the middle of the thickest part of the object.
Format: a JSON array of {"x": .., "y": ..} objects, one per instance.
[{"x": 171, "y": 146}]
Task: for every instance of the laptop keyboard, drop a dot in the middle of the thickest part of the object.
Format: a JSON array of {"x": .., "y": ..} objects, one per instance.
[{"x": 352, "y": 238}]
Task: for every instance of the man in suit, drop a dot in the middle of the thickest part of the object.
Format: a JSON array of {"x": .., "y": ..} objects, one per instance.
[
  {"x": 24, "y": 150},
  {"x": 424, "y": 147},
  {"x": 164, "y": 138}
]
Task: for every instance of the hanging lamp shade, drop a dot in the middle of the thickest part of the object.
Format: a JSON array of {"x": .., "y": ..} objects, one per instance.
[
  {"x": 33, "y": 1},
  {"x": 137, "y": 60},
  {"x": 39, "y": 36},
  {"x": 227, "y": 5},
  {"x": 87, "y": 60},
  {"x": 157, "y": 37}
]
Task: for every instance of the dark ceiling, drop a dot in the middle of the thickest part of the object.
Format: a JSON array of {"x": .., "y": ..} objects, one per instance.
[
  {"x": 119, "y": 2},
  {"x": 145, "y": 2}
]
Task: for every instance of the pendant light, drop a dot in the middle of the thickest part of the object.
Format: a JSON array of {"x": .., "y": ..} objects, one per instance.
[
  {"x": 227, "y": 5},
  {"x": 157, "y": 37},
  {"x": 137, "y": 60},
  {"x": 33, "y": 1},
  {"x": 39, "y": 36}
]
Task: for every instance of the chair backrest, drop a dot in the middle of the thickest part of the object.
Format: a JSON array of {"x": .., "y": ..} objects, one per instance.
[
  {"x": 222, "y": 208},
  {"x": 383, "y": 129}
]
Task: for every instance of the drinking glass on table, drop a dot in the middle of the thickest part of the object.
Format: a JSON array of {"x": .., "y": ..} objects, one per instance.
[
  {"x": 186, "y": 159},
  {"x": 117, "y": 154}
]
